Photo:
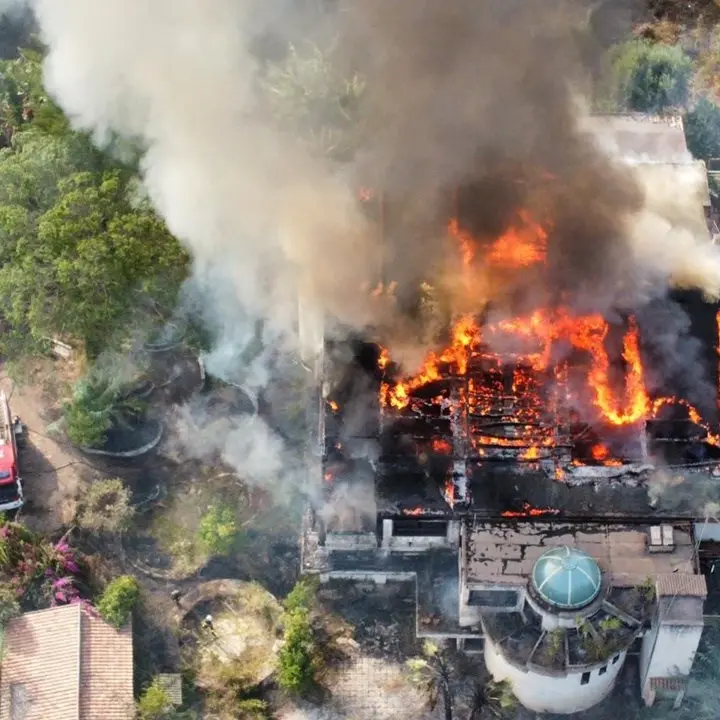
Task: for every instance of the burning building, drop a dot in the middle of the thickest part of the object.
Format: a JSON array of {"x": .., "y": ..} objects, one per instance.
[{"x": 509, "y": 472}]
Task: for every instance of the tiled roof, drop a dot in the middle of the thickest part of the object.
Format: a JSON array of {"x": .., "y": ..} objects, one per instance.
[
  {"x": 64, "y": 664},
  {"x": 172, "y": 682},
  {"x": 106, "y": 671},
  {"x": 41, "y": 663},
  {"x": 683, "y": 584},
  {"x": 668, "y": 683}
]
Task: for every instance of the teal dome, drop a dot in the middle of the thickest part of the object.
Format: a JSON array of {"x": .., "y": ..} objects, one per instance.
[{"x": 566, "y": 578}]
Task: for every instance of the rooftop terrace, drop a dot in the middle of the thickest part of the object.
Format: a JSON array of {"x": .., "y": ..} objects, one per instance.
[{"x": 506, "y": 553}]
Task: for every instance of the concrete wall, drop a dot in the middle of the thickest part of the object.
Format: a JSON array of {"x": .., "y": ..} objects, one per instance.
[
  {"x": 562, "y": 694},
  {"x": 471, "y": 614},
  {"x": 669, "y": 650},
  {"x": 418, "y": 543}
]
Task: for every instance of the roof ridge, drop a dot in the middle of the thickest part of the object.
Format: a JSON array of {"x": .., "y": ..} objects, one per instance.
[
  {"x": 56, "y": 609},
  {"x": 79, "y": 662}
]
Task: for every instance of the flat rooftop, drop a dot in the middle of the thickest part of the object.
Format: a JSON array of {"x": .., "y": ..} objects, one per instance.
[
  {"x": 495, "y": 489},
  {"x": 505, "y": 553}
]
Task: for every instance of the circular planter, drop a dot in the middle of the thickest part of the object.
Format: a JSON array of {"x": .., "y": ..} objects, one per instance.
[
  {"x": 233, "y": 399},
  {"x": 141, "y": 390},
  {"x": 130, "y": 443},
  {"x": 168, "y": 339},
  {"x": 178, "y": 375},
  {"x": 246, "y": 621}
]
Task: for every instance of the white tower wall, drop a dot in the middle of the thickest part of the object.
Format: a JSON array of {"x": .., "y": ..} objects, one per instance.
[{"x": 562, "y": 694}]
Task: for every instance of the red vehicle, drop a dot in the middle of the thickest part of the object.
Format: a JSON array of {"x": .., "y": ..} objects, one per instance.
[{"x": 11, "y": 431}]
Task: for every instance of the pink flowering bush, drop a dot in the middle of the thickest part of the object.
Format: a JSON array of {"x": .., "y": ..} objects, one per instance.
[{"x": 42, "y": 573}]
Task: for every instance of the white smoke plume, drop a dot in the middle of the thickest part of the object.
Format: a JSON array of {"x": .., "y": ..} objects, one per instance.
[
  {"x": 178, "y": 77},
  {"x": 459, "y": 91},
  {"x": 670, "y": 236}
]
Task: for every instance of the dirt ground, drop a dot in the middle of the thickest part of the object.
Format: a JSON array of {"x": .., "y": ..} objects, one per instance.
[{"x": 52, "y": 471}]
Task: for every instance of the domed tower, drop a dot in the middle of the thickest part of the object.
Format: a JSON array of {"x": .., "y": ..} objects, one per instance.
[
  {"x": 566, "y": 579},
  {"x": 563, "y": 652}
]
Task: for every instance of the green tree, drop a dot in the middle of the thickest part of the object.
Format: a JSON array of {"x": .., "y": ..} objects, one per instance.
[
  {"x": 647, "y": 77},
  {"x": 702, "y": 129},
  {"x": 105, "y": 506},
  {"x": 310, "y": 97},
  {"x": 218, "y": 531},
  {"x": 297, "y": 658},
  {"x": 495, "y": 699},
  {"x": 154, "y": 702},
  {"x": 98, "y": 401},
  {"x": 118, "y": 600},
  {"x": 432, "y": 672},
  {"x": 78, "y": 250},
  {"x": 302, "y": 596},
  {"x": 23, "y": 98},
  {"x": 9, "y": 604}
]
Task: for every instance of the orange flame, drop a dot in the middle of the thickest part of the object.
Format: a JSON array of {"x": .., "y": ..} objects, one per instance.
[
  {"x": 532, "y": 453},
  {"x": 599, "y": 452},
  {"x": 443, "y": 447},
  {"x": 414, "y": 511},
  {"x": 529, "y": 511},
  {"x": 586, "y": 333},
  {"x": 465, "y": 240},
  {"x": 522, "y": 245}
]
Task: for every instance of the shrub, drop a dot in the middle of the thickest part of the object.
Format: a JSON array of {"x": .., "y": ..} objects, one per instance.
[
  {"x": 106, "y": 506},
  {"x": 85, "y": 427},
  {"x": 296, "y": 661},
  {"x": 649, "y": 77},
  {"x": 302, "y": 596},
  {"x": 9, "y": 605},
  {"x": 218, "y": 532},
  {"x": 98, "y": 401},
  {"x": 154, "y": 703},
  {"x": 702, "y": 130},
  {"x": 118, "y": 600},
  {"x": 252, "y": 709}
]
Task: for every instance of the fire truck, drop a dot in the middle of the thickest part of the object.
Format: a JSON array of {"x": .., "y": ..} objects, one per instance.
[{"x": 12, "y": 434}]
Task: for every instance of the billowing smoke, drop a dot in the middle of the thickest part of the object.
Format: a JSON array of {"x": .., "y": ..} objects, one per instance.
[{"x": 462, "y": 97}]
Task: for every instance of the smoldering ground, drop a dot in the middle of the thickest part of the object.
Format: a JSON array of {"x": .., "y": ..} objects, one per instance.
[{"x": 478, "y": 94}]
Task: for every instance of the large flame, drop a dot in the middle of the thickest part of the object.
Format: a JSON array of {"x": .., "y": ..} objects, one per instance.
[
  {"x": 619, "y": 402},
  {"x": 586, "y": 333}
]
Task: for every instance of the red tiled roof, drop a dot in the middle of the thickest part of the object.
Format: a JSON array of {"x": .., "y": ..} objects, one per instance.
[
  {"x": 683, "y": 584},
  {"x": 106, "y": 671},
  {"x": 41, "y": 663},
  {"x": 64, "y": 664}
]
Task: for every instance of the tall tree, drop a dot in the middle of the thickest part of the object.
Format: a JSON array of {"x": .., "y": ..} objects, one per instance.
[
  {"x": 79, "y": 267},
  {"x": 646, "y": 77}
]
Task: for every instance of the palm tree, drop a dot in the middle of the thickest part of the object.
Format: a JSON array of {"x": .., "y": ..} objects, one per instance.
[
  {"x": 99, "y": 402},
  {"x": 432, "y": 671},
  {"x": 494, "y": 699}
]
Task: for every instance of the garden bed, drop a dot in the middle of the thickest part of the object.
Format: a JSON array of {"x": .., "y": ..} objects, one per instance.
[
  {"x": 177, "y": 375},
  {"x": 129, "y": 439},
  {"x": 167, "y": 338},
  {"x": 226, "y": 399},
  {"x": 244, "y": 645},
  {"x": 166, "y": 542}
]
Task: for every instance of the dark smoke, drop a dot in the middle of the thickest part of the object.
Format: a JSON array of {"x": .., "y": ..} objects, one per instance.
[{"x": 483, "y": 95}]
